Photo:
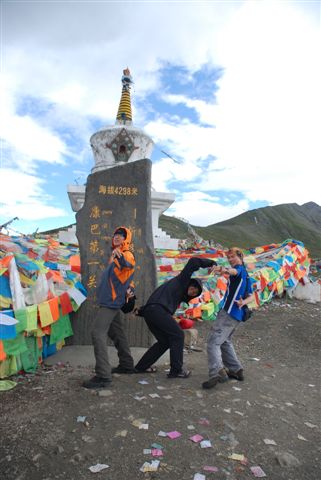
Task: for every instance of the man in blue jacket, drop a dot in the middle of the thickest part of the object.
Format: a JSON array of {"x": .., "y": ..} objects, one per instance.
[
  {"x": 222, "y": 359},
  {"x": 158, "y": 313}
]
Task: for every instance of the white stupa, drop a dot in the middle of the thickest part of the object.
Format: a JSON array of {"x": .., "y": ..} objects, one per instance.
[{"x": 116, "y": 145}]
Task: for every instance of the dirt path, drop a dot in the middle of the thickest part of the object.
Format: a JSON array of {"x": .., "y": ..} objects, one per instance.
[{"x": 279, "y": 401}]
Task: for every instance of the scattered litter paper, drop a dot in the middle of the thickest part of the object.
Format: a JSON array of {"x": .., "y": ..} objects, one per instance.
[
  {"x": 81, "y": 419},
  {"x": 121, "y": 433},
  {"x": 254, "y": 359},
  {"x": 204, "y": 421},
  {"x": 237, "y": 456},
  {"x": 154, "y": 395},
  {"x": 157, "y": 445},
  {"x": 190, "y": 427},
  {"x": 167, "y": 397},
  {"x": 137, "y": 423},
  {"x": 205, "y": 444},
  {"x": 157, "y": 452},
  {"x": 143, "y": 382},
  {"x": 199, "y": 476},
  {"x": 239, "y": 413},
  {"x": 302, "y": 438},
  {"x": 310, "y": 385},
  {"x": 173, "y": 434},
  {"x": 150, "y": 466},
  {"x": 257, "y": 472},
  {"x": 289, "y": 404},
  {"x": 269, "y": 442},
  {"x": 238, "y": 389},
  {"x": 147, "y": 451},
  {"x": 143, "y": 426},
  {"x": 227, "y": 410},
  {"x": 162, "y": 434},
  {"x": 196, "y": 438},
  {"x": 136, "y": 397},
  {"x": 159, "y": 387},
  {"x": 209, "y": 468},
  {"x": 310, "y": 425},
  {"x": 98, "y": 467}
]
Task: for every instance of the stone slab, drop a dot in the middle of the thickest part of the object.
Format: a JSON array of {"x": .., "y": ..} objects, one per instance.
[
  {"x": 83, "y": 356},
  {"x": 119, "y": 196}
]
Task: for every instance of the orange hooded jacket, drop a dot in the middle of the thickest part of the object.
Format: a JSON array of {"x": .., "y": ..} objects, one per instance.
[{"x": 118, "y": 276}]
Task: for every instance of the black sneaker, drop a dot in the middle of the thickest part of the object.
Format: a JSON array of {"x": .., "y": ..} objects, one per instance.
[
  {"x": 181, "y": 374},
  {"x": 97, "y": 382},
  {"x": 221, "y": 377},
  {"x": 120, "y": 369},
  {"x": 239, "y": 375}
]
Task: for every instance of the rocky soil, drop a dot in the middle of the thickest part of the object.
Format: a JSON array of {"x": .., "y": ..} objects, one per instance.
[{"x": 272, "y": 418}]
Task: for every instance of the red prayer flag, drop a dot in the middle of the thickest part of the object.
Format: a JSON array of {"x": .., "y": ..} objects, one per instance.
[{"x": 66, "y": 306}]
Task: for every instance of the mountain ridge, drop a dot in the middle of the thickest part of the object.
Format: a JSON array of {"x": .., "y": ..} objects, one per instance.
[{"x": 260, "y": 226}]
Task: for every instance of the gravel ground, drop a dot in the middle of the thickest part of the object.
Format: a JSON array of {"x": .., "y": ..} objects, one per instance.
[{"x": 272, "y": 418}]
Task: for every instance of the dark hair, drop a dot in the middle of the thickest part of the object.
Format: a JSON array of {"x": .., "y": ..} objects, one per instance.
[{"x": 121, "y": 231}]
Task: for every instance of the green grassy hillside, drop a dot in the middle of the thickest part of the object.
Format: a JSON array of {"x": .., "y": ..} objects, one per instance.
[{"x": 259, "y": 227}]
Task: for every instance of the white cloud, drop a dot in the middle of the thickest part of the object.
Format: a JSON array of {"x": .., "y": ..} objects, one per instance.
[
  {"x": 262, "y": 130},
  {"x": 266, "y": 135},
  {"x": 22, "y": 196},
  {"x": 200, "y": 209},
  {"x": 28, "y": 141},
  {"x": 206, "y": 111}
]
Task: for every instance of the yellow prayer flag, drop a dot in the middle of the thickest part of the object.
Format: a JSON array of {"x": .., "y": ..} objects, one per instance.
[{"x": 45, "y": 314}]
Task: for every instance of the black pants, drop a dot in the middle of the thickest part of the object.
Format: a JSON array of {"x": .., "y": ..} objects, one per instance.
[{"x": 169, "y": 335}]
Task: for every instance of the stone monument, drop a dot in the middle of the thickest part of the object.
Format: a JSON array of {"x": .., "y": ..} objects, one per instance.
[{"x": 118, "y": 192}]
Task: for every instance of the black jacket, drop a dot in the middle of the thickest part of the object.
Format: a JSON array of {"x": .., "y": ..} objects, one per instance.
[{"x": 174, "y": 291}]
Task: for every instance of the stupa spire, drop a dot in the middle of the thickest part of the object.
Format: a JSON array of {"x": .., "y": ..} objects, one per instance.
[{"x": 124, "y": 114}]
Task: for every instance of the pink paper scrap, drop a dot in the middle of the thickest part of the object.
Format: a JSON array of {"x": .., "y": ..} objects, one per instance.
[
  {"x": 196, "y": 438},
  {"x": 204, "y": 421},
  {"x": 208, "y": 468},
  {"x": 257, "y": 472},
  {"x": 156, "y": 452},
  {"x": 174, "y": 434}
]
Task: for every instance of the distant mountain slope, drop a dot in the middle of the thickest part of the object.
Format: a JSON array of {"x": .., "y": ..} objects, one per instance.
[{"x": 259, "y": 227}]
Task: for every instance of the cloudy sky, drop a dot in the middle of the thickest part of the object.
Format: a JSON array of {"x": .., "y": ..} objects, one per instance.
[{"x": 229, "y": 89}]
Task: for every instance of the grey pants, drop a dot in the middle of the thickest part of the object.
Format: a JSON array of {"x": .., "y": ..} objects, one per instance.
[
  {"x": 220, "y": 350},
  {"x": 108, "y": 322}
]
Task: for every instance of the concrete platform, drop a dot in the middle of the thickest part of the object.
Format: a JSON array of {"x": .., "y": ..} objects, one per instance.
[{"x": 83, "y": 356}]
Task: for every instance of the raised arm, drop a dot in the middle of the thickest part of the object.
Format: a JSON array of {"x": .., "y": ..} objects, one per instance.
[{"x": 192, "y": 265}]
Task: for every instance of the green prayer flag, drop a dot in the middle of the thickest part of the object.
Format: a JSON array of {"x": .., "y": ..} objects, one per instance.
[
  {"x": 60, "y": 330},
  {"x": 21, "y": 316},
  {"x": 29, "y": 358},
  {"x": 8, "y": 367},
  {"x": 15, "y": 346},
  {"x": 7, "y": 385}
]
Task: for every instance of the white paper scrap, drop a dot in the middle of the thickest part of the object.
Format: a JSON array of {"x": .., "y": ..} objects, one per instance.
[
  {"x": 269, "y": 442},
  {"x": 98, "y": 467},
  {"x": 205, "y": 444}
]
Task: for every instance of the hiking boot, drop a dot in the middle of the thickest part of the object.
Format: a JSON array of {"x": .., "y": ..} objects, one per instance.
[
  {"x": 120, "y": 369},
  {"x": 181, "y": 374},
  {"x": 237, "y": 375},
  {"x": 97, "y": 382},
  {"x": 221, "y": 377}
]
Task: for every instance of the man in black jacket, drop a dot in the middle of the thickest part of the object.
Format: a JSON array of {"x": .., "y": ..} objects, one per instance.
[{"x": 158, "y": 314}]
